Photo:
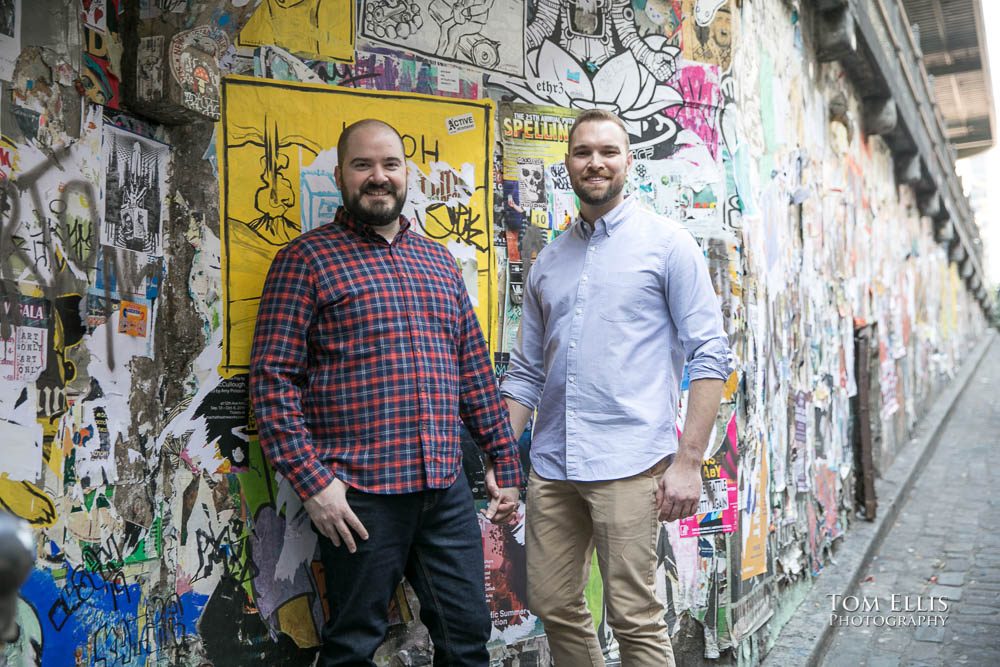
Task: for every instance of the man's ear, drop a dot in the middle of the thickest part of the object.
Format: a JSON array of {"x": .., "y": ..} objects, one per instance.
[{"x": 337, "y": 179}]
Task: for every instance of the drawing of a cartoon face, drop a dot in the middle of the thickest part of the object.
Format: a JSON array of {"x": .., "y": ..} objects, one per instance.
[{"x": 531, "y": 178}]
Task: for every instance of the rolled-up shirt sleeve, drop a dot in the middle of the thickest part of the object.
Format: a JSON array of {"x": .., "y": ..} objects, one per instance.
[
  {"x": 525, "y": 376},
  {"x": 694, "y": 307}
]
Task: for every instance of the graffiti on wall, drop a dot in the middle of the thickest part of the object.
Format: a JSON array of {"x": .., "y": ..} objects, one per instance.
[
  {"x": 573, "y": 60},
  {"x": 321, "y": 29},
  {"x": 484, "y": 33},
  {"x": 263, "y": 160}
]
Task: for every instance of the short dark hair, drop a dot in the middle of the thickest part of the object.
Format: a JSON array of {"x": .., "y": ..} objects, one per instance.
[
  {"x": 345, "y": 136},
  {"x": 596, "y": 115}
]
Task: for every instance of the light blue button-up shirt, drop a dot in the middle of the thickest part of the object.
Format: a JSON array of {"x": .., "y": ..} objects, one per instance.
[{"x": 610, "y": 317}]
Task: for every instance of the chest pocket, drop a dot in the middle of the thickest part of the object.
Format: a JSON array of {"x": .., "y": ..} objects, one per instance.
[{"x": 621, "y": 295}]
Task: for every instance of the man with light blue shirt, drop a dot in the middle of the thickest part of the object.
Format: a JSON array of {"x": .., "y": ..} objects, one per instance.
[{"x": 613, "y": 308}]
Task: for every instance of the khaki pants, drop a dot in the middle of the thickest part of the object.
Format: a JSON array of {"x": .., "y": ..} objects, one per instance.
[{"x": 565, "y": 521}]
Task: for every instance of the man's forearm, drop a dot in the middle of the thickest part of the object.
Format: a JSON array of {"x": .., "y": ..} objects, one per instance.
[
  {"x": 519, "y": 416},
  {"x": 704, "y": 397}
]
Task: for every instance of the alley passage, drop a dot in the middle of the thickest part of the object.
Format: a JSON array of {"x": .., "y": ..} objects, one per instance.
[{"x": 943, "y": 551}]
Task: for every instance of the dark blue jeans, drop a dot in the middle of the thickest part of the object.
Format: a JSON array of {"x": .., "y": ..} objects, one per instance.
[{"x": 433, "y": 538}]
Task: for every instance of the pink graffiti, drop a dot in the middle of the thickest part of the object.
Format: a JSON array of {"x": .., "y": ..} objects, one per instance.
[{"x": 699, "y": 86}]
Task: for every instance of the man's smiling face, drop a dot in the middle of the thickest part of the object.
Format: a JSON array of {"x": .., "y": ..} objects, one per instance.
[
  {"x": 372, "y": 176},
  {"x": 597, "y": 162}
]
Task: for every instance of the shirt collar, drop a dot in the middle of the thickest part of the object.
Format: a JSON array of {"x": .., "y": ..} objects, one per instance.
[
  {"x": 610, "y": 221},
  {"x": 349, "y": 222}
]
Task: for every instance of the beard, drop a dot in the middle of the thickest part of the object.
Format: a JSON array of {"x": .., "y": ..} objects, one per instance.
[
  {"x": 379, "y": 213},
  {"x": 594, "y": 196}
]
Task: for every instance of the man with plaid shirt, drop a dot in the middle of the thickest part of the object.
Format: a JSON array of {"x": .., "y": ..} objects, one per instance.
[{"x": 366, "y": 355}]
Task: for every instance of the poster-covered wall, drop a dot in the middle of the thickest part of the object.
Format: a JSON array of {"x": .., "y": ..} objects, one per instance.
[{"x": 132, "y": 255}]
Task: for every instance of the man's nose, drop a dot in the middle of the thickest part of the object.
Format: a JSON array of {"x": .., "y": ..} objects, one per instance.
[{"x": 378, "y": 174}]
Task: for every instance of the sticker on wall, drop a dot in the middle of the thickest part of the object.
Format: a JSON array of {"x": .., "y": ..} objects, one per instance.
[
  {"x": 484, "y": 33},
  {"x": 23, "y": 351},
  {"x": 133, "y": 319},
  {"x": 135, "y": 205},
  {"x": 462, "y": 123},
  {"x": 194, "y": 64}
]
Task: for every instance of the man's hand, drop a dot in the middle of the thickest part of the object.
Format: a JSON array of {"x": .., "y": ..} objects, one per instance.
[
  {"x": 679, "y": 490},
  {"x": 503, "y": 502},
  {"x": 329, "y": 510}
]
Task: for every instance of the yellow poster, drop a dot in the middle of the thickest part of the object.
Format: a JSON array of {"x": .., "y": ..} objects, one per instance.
[
  {"x": 756, "y": 517},
  {"x": 320, "y": 29},
  {"x": 277, "y": 150}
]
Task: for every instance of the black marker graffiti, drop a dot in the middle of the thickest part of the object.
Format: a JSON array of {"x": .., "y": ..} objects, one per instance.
[{"x": 453, "y": 222}]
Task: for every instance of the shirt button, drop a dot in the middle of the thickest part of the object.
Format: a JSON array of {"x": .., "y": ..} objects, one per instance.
[
  {"x": 572, "y": 343},
  {"x": 584, "y": 278},
  {"x": 579, "y": 311},
  {"x": 572, "y": 378}
]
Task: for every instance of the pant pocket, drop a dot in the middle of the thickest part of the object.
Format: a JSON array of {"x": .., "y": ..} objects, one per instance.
[{"x": 661, "y": 466}]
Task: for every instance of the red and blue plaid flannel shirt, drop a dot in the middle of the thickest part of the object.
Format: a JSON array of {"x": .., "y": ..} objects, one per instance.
[{"x": 365, "y": 356}]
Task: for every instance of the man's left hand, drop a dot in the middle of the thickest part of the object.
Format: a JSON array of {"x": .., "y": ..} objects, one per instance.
[
  {"x": 503, "y": 502},
  {"x": 679, "y": 491}
]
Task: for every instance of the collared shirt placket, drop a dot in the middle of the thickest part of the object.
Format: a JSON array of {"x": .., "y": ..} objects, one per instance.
[
  {"x": 400, "y": 260},
  {"x": 573, "y": 461}
]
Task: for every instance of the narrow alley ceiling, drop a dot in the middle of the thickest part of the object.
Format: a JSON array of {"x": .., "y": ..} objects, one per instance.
[{"x": 952, "y": 37}]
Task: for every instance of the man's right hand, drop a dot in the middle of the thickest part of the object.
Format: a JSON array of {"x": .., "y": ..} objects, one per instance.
[
  {"x": 333, "y": 516},
  {"x": 503, "y": 501}
]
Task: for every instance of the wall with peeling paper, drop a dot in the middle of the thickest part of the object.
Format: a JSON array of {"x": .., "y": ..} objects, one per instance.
[{"x": 140, "y": 202}]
